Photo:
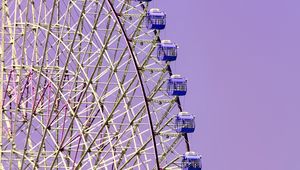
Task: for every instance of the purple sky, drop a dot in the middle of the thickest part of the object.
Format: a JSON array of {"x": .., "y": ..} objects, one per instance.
[{"x": 242, "y": 60}]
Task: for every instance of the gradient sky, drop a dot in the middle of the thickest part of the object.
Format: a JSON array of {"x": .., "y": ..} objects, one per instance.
[{"x": 241, "y": 58}]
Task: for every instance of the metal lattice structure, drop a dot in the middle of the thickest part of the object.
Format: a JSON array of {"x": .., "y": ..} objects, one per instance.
[{"x": 81, "y": 88}]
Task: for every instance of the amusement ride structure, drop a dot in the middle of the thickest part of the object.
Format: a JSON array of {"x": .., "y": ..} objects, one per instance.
[{"x": 87, "y": 84}]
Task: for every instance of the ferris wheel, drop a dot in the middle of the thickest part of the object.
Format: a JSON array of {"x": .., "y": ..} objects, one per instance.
[{"x": 87, "y": 84}]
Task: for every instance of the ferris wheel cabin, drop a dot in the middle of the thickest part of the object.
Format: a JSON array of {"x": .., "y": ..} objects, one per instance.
[
  {"x": 177, "y": 86},
  {"x": 155, "y": 19},
  {"x": 166, "y": 51},
  {"x": 191, "y": 161},
  {"x": 185, "y": 123}
]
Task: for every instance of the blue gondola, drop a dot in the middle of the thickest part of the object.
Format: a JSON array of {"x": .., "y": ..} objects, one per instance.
[
  {"x": 155, "y": 19},
  {"x": 191, "y": 161},
  {"x": 166, "y": 51},
  {"x": 177, "y": 86},
  {"x": 185, "y": 123}
]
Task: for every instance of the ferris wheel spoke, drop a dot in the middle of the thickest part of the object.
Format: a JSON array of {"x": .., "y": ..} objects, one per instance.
[
  {"x": 136, "y": 153},
  {"x": 25, "y": 146},
  {"x": 112, "y": 112},
  {"x": 60, "y": 83},
  {"x": 119, "y": 130}
]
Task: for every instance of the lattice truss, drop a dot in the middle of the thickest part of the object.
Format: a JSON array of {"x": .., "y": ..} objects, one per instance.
[{"x": 70, "y": 91}]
